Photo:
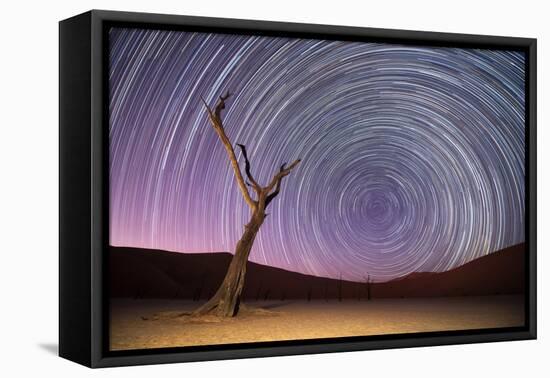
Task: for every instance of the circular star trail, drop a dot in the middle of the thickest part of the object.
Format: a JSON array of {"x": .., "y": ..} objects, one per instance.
[{"x": 413, "y": 158}]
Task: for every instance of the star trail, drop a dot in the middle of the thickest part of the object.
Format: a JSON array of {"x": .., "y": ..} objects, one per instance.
[{"x": 413, "y": 158}]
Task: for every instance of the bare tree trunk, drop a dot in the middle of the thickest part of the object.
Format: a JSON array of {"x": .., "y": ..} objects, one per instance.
[{"x": 227, "y": 299}]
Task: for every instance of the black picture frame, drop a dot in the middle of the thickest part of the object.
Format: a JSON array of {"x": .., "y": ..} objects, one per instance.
[{"x": 83, "y": 194}]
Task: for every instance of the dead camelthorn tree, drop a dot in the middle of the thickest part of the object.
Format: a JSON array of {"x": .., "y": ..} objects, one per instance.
[{"x": 226, "y": 300}]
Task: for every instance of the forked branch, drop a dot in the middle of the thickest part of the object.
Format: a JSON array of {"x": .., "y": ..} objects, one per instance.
[
  {"x": 283, "y": 171},
  {"x": 274, "y": 194},
  {"x": 268, "y": 192},
  {"x": 253, "y": 182},
  {"x": 217, "y": 124}
]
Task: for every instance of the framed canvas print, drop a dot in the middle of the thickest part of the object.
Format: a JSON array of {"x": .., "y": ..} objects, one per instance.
[{"x": 233, "y": 188}]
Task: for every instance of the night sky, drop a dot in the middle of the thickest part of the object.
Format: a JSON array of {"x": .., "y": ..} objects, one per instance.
[{"x": 413, "y": 158}]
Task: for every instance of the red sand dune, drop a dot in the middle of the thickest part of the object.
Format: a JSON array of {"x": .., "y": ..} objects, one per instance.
[{"x": 143, "y": 273}]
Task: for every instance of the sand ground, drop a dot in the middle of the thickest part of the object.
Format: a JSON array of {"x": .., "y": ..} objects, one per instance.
[{"x": 295, "y": 320}]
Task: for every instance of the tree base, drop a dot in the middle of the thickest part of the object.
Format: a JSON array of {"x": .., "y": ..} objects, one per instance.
[{"x": 210, "y": 317}]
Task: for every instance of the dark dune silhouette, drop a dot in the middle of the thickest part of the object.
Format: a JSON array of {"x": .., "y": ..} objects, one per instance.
[
  {"x": 143, "y": 273},
  {"x": 501, "y": 272}
]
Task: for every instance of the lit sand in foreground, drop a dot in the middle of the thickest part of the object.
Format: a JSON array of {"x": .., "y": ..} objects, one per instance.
[{"x": 292, "y": 320}]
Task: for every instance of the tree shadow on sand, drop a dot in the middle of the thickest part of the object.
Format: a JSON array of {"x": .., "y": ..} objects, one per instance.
[
  {"x": 245, "y": 312},
  {"x": 275, "y": 305}
]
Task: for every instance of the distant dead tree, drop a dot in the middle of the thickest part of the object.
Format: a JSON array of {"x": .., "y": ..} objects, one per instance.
[
  {"x": 140, "y": 293},
  {"x": 176, "y": 293},
  {"x": 226, "y": 300},
  {"x": 368, "y": 284},
  {"x": 259, "y": 291},
  {"x": 199, "y": 290},
  {"x": 340, "y": 288}
]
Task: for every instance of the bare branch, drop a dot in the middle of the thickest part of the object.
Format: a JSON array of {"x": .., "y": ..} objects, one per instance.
[
  {"x": 274, "y": 194},
  {"x": 283, "y": 171},
  {"x": 247, "y": 168},
  {"x": 221, "y": 105},
  {"x": 217, "y": 124},
  {"x": 210, "y": 114}
]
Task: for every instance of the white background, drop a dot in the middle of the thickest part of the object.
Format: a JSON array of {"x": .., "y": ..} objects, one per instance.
[{"x": 29, "y": 187}]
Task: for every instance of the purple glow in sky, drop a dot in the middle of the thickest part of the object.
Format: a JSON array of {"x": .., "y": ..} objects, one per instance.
[{"x": 413, "y": 158}]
